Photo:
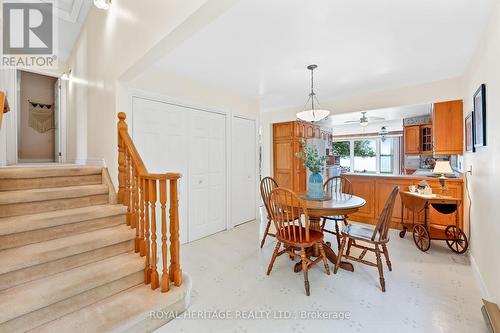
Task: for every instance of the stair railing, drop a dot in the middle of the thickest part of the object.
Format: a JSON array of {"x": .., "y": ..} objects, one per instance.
[{"x": 142, "y": 192}]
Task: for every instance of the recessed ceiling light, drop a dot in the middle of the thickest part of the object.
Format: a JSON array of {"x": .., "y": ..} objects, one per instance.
[{"x": 102, "y": 4}]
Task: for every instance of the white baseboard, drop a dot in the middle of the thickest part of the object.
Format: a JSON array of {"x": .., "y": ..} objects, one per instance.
[
  {"x": 94, "y": 162},
  {"x": 479, "y": 279}
]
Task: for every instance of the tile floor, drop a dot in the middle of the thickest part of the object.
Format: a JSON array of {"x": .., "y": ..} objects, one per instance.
[{"x": 426, "y": 292}]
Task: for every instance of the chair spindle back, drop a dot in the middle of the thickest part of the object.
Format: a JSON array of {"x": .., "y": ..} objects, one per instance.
[
  {"x": 337, "y": 185},
  {"x": 267, "y": 184},
  {"x": 286, "y": 210},
  {"x": 384, "y": 220}
]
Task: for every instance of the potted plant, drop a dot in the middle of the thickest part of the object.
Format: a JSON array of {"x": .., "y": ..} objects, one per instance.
[{"x": 315, "y": 164}]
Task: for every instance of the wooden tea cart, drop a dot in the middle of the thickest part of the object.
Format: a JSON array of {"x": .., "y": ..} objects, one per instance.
[{"x": 424, "y": 232}]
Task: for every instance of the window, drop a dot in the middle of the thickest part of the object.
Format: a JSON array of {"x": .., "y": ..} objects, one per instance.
[
  {"x": 365, "y": 156},
  {"x": 370, "y": 155},
  {"x": 342, "y": 151},
  {"x": 387, "y": 155}
]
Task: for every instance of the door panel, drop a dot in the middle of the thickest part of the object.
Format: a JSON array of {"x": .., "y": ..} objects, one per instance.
[
  {"x": 173, "y": 138},
  {"x": 243, "y": 191},
  {"x": 207, "y": 172},
  {"x": 159, "y": 133}
]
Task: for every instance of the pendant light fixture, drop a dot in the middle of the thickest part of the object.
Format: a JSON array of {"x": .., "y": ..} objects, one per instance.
[{"x": 312, "y": 114}]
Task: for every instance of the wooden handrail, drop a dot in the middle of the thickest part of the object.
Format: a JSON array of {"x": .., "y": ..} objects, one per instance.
[{"x": 145, "y": 195}]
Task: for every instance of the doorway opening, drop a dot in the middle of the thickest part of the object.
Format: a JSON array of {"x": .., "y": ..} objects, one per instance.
[{"x": 38, "y": 135}]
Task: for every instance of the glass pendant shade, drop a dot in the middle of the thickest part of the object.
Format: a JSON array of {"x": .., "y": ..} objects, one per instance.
[{"x": 313, "y": 115}]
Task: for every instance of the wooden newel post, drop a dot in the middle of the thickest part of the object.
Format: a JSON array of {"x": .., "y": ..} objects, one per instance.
[
  {"x": 175, "y": 268},
  {"x": 122, "y": 125}
]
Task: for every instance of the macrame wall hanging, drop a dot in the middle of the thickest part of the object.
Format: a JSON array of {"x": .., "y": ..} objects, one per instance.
[{"x": 41, "y": 116}]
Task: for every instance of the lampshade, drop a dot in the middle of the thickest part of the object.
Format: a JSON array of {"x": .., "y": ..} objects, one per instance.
[
  {"x": 442, "y": 168},
  {"x": 313, "y": 115}
]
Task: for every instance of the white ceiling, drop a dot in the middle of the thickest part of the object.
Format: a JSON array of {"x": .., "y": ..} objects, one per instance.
[
  {"x": 260, "y": 48},
  {"x": 70, "y": 15}
]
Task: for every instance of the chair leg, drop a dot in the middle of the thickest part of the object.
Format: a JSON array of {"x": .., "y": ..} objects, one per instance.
[
  {"x": 337, "y": 233},
  {"x": 340, "y": 254},
  {"x": 349, "y": 244},
  {"x": 386, "y": 254},
  {"x": 305, "y": 269},
  {"x": 380, "y": 268},
  {"x": 273, "y": 258},
  {"x": 323, "y": 256},
  {"x": 265, "y": 234},
  {"x": 323, "y": 224}
]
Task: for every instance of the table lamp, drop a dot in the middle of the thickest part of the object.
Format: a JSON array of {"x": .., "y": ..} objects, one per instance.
[{"x": 442, "y": 168}]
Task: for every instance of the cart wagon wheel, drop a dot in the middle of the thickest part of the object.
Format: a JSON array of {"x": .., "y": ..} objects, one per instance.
[
  {"x": 421, "y": 237},
  {"x": 457, "y": 240},
  {"x": 402, "y": 233}
]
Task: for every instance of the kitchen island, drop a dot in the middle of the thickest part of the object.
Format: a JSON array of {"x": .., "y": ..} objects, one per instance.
[{"x": 375, "y": 189}]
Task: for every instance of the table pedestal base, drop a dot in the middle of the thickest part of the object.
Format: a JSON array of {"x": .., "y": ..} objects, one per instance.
[{"x": 330, "y": 255}]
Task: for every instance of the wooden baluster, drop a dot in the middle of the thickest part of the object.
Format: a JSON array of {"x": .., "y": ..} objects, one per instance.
[
  {"x": 165, "y": 280},
  {"x": 154, "y": 271},
  {"x": 175, "y": 269},
  {"x": 133, "y": 193},
  {"x": 121, "y": 158},
  {"x": 142, "y": 247},
  {"x": 135, "y": 203},
  {"x": 147, "y": 244},
  {"x": 127, "y": 188}
]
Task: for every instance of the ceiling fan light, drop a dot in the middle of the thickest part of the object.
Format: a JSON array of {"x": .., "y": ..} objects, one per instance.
[
  {"x": 313, "y": 115},
  {"x": 363, "y": 123}
]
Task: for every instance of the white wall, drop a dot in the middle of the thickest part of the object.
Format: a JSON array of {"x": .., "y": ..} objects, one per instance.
[
  {"x": 182, "y": 89},
  {"x": 421, "y": 94},
  {"x": 485, "y": 181},
  {"x": 111, "y": 42}
]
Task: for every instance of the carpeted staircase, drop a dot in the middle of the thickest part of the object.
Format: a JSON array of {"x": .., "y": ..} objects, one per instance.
[{"x": 67, "y": 260}]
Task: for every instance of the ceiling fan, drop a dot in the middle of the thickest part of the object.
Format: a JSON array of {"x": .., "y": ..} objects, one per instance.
[{"x": 363, "y": 121}]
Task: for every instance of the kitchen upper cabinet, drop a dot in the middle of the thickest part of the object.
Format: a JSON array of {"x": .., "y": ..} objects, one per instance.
[
  {"x": 412, "y": 139},
  {"x": 447, "y": 123},
  {"x": 426, "y": 139},
  {"x": 288, "y": 169}
]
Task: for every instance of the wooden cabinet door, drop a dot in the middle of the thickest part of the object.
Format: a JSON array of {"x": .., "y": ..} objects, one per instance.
[
  {"x": 283, "y": 163},
  {"x": 299, "y": 170},
  {"x": 282, "y": 131},
  {"x": 447, "y": 127},
  {"x": 412, "y": 139},
  {"x": 309, "y": 131},
  {"x": 316, "y": 132},
  {"x": 426, "y": 139}
]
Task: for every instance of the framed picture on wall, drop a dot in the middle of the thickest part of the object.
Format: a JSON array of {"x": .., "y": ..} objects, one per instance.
[
  {"x": 479, "y": 122},
  {"x": 469, "y": 133}
]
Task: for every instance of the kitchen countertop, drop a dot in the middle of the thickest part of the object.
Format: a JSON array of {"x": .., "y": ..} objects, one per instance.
[{"x": 379, "y": 175}]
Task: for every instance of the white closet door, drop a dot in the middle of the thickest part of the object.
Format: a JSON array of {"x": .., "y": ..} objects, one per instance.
[
  {"x": 243, "y": 188},
  {"x": 207, "y": 174},
  {"x": 160, "y": 135}
]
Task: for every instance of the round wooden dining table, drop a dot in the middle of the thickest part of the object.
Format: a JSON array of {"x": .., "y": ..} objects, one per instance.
[{"x": 338, "y": 204}]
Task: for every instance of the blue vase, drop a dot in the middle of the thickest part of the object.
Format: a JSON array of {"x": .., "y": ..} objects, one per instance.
[{"x": 315, "y": 186}]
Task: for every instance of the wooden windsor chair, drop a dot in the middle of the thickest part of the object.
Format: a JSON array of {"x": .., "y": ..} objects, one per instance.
[
  {"x": 267, "y": 184},
  {"x": 287, "y": 213},
  {"x": 336, "y": 186},
  {"x": 377, "y": 237}
]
